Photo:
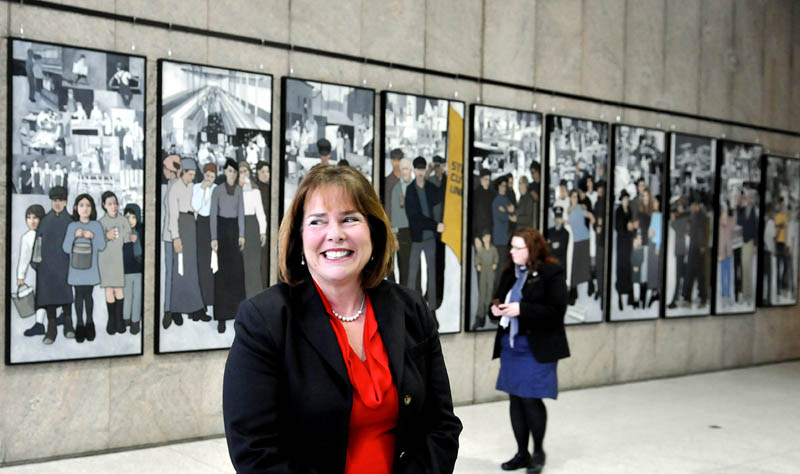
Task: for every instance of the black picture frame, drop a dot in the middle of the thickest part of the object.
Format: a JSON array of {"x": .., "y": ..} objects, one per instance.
[
  {"x": 85, "y": 114},
  {"x": 427, "y": 127},
  {"x": 211, "y": 115},
  {"x": 571, "y": 141},
  {"x": 504, "y": 143},
  {"x": 345, "y": 110},
  {"x": 638, "y": 168},
  {"x": 780, "y": 179},
  {"x": 738, "y": 183},
  {"x": 691, "y": 177}
]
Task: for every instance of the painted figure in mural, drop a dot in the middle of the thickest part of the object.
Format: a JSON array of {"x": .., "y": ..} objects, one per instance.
[
  {"x": 526, "y": 211},
  {"x": 679, "y": 221},
  {"x": 698, "y": 241},
  {"x": 399, "y": 221},
  {"x": 52, "y": 288},
  {"x": 559, "y": 240},
  {"x": 727, "y": 222},
  {"x": 483, "y": 198},
  {"x": 437, "y": 174},
  {"x": 255, "y": 231},
  {"x": 502, "y": 218},
  {"x": 201, "y": 204},
  {"x": 122, "y": 79},
  {"x": 228, "y": 240},
  {"x": 654, "y": 265},
  {"x": 767, "y": 252},
  {"x": 577, "y": 216},
  {"x": 643, "y": 213},
  {"x": 486, "y": 259},
  {"x": 83, "y": 241},
  {"x": 117, "y": 231},
  {"x": 421, "y": 197},
  {"x": 394, "y": 177},
  {"x": 747, "y": 219},
  {"x": 599, "y": 210},
  {"x": 171, "y": 166},
  {"x": 262, "y": 182},
  {"x": 626, "y": 229},
  {"x": 186, "y": 296},
  {"x": 133, "y": 262},
  {"x": 33, "y": 217}
]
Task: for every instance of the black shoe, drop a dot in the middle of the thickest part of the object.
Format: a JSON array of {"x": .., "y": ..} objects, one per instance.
[
  {"x": 672, "y": 305},
  {"x": 80, "y": 333},
  {"x": 36, "y": 330},
  {"x": 90, "y": 332},
  {"x": 537, "y": 463},
  {"x": 619, "y": 301},
  {"x": 590, "y": 291},
  {"x": 653, "y": 299},
  {"x": 111, "y": 325},
  {"x": 519, "y": 460},
  {"x": 135, "y": 328},
  {"x": 202, "y": 316},
  {"x": 221, "y": 326},
  {"x": 177, "y": 319},
  {"x": 166, "y": 320}
]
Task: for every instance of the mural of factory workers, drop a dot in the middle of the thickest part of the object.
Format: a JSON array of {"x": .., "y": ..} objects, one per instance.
[{"x": 76, "y": 161}]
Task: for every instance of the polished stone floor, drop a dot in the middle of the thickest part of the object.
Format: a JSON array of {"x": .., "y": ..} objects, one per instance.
[{"x": 732, "y": 422}]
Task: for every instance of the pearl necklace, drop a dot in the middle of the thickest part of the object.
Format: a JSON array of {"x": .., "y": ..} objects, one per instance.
[{"x": 348, "y": 319}]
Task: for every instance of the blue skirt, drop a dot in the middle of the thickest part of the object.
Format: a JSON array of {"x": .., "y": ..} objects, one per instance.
[{"x": 522, "y": 375}]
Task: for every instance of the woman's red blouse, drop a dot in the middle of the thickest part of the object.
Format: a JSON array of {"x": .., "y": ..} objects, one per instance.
[{"x": 371, "y": 438}]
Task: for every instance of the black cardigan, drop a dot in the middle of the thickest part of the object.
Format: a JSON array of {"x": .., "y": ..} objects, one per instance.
[
  {"x": 541, "y": 312},
  {"x": 287, "y": 396}
]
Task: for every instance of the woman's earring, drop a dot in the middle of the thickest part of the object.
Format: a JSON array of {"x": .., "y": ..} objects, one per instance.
[{"x": 302, "y": 259}]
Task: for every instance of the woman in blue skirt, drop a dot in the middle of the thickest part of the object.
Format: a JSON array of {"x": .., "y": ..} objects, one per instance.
[{"x": 530, "y": 301}]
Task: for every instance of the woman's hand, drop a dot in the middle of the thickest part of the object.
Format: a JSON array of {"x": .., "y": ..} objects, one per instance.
[
  {"x": 507, "y": 309},
  {"x": 88, "y": 234},
  {"x": 78, "y": 233}
]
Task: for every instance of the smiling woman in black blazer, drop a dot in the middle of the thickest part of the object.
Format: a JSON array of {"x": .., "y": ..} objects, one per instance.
[
  {"x": 530, "y": 300},
  {"x": 337, "y": 370}
]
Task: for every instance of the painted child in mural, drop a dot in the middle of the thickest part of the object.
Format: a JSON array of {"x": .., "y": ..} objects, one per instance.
[
  {"x": 52, "y": 287},
  {"x": 579, "y": 219},
  {"x": 486, "y": 259},
  {"x": 33, "y": 216},
  {"x": 186, "y": 296},
  {"x": 83, "y": 241},
  {"x": 228, "y": 240},
  {"x": 133, "y": 262},
  {"x": 201, "y": 203},
  {"x": 117, "y": 231},
  {"x": 255, "y": 231}
]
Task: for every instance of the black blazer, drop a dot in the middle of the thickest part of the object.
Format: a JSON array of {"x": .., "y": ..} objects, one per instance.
[
  {"x": 541, "y": 311},
  {"x": 287, "y": 396}
]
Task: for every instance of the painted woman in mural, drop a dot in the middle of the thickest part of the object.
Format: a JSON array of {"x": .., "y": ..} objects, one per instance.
[
  {"x": 83, "y": 241},
  {"x": 201, "y": 203},
  {"x": 117, "y": 231},
  {"x": 228, "y": 240},
  {"x": 255, "y": 231}
]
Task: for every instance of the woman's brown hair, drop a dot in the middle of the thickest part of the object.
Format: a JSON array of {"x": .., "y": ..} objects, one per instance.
[
  {"x": 360, "y": 191},
  {"x": 538, "y": 250}
]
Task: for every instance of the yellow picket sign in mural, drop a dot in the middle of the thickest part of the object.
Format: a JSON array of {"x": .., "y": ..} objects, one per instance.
[{"x": 455, "y": 183}]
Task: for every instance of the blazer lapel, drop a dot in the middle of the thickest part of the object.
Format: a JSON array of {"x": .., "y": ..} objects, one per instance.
[
  {"x": 310, "y": 315},
  {"x": 389, "y": 313}
]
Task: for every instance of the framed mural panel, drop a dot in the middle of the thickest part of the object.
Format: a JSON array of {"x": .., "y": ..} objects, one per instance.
[
  {"x": 736, "y": 239},
  {"x": 576, "y": 216},
  {"x": 423, "y": 152},
  {"x": 504, "y": 188},
  {"x": 780, "y": 231},
  {"x": 636, "y": 222},
  {"x": 690, "y": 200},
  {"x": 214, "y": 146},
  {"x": 320, "y": 118},
  {"x": 74, "y": 223}
]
